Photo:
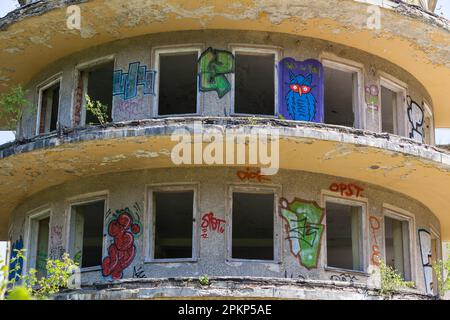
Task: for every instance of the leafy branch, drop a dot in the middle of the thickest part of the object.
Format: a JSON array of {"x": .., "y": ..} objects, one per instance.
[
  {"x": 58, "y": 276},
  {"x": 442, "y": 270},
  {"x": 391, "y": 280},
  {"x": 98, "y": 109},
  {"x": 12, "y": 106}
]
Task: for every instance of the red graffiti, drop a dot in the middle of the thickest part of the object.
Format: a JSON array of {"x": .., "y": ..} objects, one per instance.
[
  {"x": 347, "y": 189},
  {"x": 249, "y": 175},
  {"x": 209, "y": 222},
  {"x": 122, "y": 251},
  {"x": 374, "y": 227}
]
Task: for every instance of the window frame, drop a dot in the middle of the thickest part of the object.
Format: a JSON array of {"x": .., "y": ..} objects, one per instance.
[
  {"x": 80, "y": 200},
  {"x": 36, "y": 215},
  {"x": 397, "y": 213},
  {"x": 40, "y": 91},
  {"x": 401, "y": 113},
  {"x": 428, "y": 113},
  {"x": 277, "y": 222},
  {"x": 328, "y": 196},
  {"x": 255, "y": 50},
  {"x": 174, "y": 50},
  {"x": 149, "y": 225},
  {"x": 79, "y": 69},
  {"x": 349, "y": 66}
]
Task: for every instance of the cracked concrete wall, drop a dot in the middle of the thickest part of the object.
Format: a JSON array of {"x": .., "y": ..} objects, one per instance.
[
  {"x": 127, "y": 188},
  {"x": 139, "y": 49}
]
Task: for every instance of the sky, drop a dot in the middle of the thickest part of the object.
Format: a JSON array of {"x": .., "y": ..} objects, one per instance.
[{"x": 443, "y": 7}]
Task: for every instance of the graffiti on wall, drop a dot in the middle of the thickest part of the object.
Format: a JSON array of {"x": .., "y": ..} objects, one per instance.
[
  {"x": 372, "y": 97},
  {"x": 214, "y": 65},
  {"x": 56, "y": 242},
  {"x": 345, "y": 277},
  {"x": 131, "y": 109},
  {"x": 139, "y": 273},
  {"x": 16, "y": 245},
  {"x": 126, "y": 84},
  {"x": 416, "y": 120},
  {"x": 251, "y": 175},
  {"x": 374, "y": 225},
  {"x": 304, "y": 228},
  {"x": 347, "y": 189},
  {"x": 123, "y": 228},
  {"x": 211, "y": 223},
  {"x": 425, "y": 253},
  {"x": 301, "y": 90}
]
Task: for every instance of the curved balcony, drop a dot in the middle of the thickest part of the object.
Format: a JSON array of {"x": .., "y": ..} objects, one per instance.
[{"x": 395, "y": 163}]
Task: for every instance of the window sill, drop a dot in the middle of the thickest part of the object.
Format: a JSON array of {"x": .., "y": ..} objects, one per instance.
[
  {"x": 248, "y": 261},
  {"x": 90, "y": 269},
  {"x": 169, "y": 261},
  {"x": 349, "y": 271}
]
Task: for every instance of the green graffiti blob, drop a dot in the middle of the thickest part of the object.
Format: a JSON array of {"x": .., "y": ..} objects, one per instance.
[
  {"x": 303, "y": 226},
  {"x": 214, "y": 65}
]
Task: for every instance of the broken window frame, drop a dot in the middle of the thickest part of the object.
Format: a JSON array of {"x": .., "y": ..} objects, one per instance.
[
  {"x": 404, "y": 216},
  {"x": 174, "y": 50},
  {"x": 400, "y": 113},
  {"x": 361, "y": 202},
  {"x": 438, "y": 246},
  {"x": 430, "y": 133},
  {"x": 80, "y": 73},
  {"x": 31, "y": 236},
  {"x": 149, "y": 225},
  {"x": 349, "y": 66},
  {"x": 81, "y": 200},
  {"x": 56, "y": 79},
  {"x": 276, "y": 190},
  {"x": 255, "y": 50}
]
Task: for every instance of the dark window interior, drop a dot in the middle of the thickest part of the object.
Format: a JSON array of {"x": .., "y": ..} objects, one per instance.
[
  {"x": 253, "y": 218},
  {"x": 100, "y": 88},
  {"x": 254, "y": 84},
  {"x": 396, "y": 237},
  {"x": 339, "y": 97},
  {"x": 49, "y": 109},
  {"x": 387, "y": 110},
  {"x": 177, "y": 84},
  {"x": 42, "y": 246},
  {"x": 173, "y": 224},
  {"x": 91, "y": 217},
  {"x": 343, "y": 228}
]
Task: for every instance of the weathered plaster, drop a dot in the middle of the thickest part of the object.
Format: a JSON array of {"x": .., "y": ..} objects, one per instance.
[{"x": 410, "y": 37}]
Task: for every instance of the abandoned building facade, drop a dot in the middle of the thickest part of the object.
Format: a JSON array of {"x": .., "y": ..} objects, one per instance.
[{"x": 354, "y": 90}]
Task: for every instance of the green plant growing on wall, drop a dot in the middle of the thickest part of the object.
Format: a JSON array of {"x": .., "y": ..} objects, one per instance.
[
  {"x": 32, "y": 287},
  {"x": 98, "y": 109},
  {"x": 391, "y": 280},
  {"x": 12, "y": 106},
  {"x": 204, "y": 280},
  {"x": 442, "y": 271}
]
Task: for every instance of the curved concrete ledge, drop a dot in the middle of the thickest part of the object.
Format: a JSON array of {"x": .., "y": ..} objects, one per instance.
[
  {"x": 287, "y": 128},
  {"x": 402, "y": 165},
  {"x": 233, "y": 287}
]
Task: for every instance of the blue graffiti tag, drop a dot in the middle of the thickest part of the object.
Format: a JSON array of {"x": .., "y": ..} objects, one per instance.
[
  {"x": 126, "y": 84},
  {"x": 17, "y": 245}
]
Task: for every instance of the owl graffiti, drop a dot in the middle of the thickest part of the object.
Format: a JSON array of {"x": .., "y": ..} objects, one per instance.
[
  {"x": 300, "y": 101},
  {"x": 301, "y": 90}
]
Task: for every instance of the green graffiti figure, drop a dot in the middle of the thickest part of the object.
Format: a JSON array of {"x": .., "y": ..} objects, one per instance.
[
  {"x": 214, "y": 65},
  {"x": 303, "y": 226}
]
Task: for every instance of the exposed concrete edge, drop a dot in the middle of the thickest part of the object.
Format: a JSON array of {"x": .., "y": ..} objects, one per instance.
[
  {"x": 34, "y": 9},
  {"x": 287, "y": 129},
  {"x": 43, "y": 6},
  {"x": 234, "y": 287}
]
